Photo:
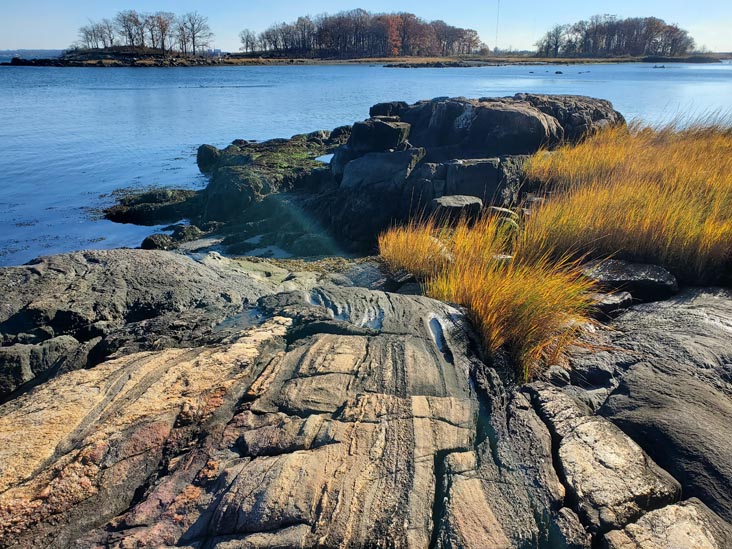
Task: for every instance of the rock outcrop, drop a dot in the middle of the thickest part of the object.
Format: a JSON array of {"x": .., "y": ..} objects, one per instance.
[
  {"x": 252, "y": 405},
  {"x": 387, "y": 168}
]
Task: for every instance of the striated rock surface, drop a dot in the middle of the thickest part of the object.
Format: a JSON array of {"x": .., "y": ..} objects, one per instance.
[
  {"x": 688, "y": 524},
  {"x": 261, "y": 405},
  {"x": 66, "y": 312}
]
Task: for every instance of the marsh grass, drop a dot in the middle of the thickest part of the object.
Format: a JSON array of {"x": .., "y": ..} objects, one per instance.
[
  {"x": 653, "y": 194},
  {"x": 531, "y": 306}
]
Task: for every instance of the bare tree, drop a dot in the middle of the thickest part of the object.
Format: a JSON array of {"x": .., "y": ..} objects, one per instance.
[
  {"x": 248, "y": 40},
  {"x": 165, "y": 21},
  {"x": 199, "y": 33},
  {"x": 126, "y": 22},
  {"x": 181, "y": 36},
  {"x": 107, "y": 32}
]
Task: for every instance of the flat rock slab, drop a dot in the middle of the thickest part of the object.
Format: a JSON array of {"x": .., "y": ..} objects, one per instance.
[
  {"x": 454, "y": 207},
  {"x": 643, "y": 281},
  {"x": 689, "y": 524}
]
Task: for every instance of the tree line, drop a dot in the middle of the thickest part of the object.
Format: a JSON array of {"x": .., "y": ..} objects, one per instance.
[
  {"x": 608, "y": 36},
  {"x": 359, "y": 33},
  {"x": 164, "y": 31}
]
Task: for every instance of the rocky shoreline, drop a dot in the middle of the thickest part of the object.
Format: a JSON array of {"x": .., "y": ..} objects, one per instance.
[
  {"x": 159, "y": 398},
  {"x": 388, "y": 168},
  {"x": 141, "y": 60}
]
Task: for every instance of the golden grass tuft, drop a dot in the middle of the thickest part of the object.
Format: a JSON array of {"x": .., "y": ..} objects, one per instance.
[
  {"x": 531, "y": 306},
  {"x": 658, "y": 195}
]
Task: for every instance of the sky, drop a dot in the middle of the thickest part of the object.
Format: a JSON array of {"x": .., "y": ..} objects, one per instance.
[{"x": 53, "y": 24}]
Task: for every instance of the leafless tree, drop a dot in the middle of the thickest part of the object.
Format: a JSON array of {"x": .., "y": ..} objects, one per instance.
[
  {"x": 248, "y": 40},
  {"x": 198, "y": 30}
]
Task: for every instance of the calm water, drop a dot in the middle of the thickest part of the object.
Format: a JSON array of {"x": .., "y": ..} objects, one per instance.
[{"x": 69, "y": 137}]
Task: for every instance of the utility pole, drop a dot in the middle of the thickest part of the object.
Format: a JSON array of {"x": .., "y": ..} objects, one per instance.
[{"x": 498, "y": 20}]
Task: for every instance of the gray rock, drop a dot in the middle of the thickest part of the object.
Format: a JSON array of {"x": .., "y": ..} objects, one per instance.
[
  {"x": 611, "y": 478},
  {"x": 686, "y": 524},
  {"x": 608, "y": 305},
  {"x": 379, "y": 172},
  {"x": 644, "y": 282},
  {"x": 376, "y": 135},
  {"x": 207, "y": 157},
  {"x": 667, "y": 369},
  {"x": 454, "y": 207},
  {"x": 118, "y": 301},
  {"x": 479, "y": 178}
]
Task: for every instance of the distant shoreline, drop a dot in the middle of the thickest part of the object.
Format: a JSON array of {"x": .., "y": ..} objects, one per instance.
[{"x": 110, "y": 61}]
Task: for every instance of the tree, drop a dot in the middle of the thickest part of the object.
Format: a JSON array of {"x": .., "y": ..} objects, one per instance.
[
  {"x": 198, "y": 31},
  {"x": 607, "y": 36},
  {"x": 165, "y": 22},
  {"x": 248, "y": 40},
  {"x": 126, "y": 22}
]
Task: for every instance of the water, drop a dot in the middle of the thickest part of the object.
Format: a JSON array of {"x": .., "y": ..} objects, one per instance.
[{"x": 69, "y": 137}]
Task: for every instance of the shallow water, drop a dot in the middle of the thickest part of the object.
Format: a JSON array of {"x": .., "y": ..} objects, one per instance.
[{"x": 69, "y": 137}]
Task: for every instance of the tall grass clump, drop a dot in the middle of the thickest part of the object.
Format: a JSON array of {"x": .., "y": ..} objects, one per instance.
[
  {"x": 652, "y": 194},
  {"x": 531, "y": 306}
]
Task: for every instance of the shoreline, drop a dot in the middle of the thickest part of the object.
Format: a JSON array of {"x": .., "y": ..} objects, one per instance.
[{"x": 108, "y": 61}]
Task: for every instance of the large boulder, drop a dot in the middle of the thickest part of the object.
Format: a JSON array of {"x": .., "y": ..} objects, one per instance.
[{"x": 377, "y": 135}]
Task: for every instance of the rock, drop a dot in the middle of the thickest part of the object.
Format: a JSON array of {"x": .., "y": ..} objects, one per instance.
[
  {"x": 377, "y": 136},
  {"x": 207, "y": 157},
  {"x": 469, "y": 128},
  {"x": 380, "y": 172},
  {"x": 245, "y": 175},
  {"x": 612, "y": 479},
  {"x": 317, "y": 414},
  {"x": 671, "y": 390},
  {"x": 456, "y": 207},
  {"x": 686, "y": 524},
  {"x": 21, "y": 363},
  {"x": 577, "y": 114},
  {"x": 250, "y": 436},
  {"x": 478, "y": 178},
  {"x": 644, "y": 282},
  {"x": 72, "y": 311},
  {"x": 155, "y": 207},
  {"x": 663, "y": 376},
  {"x": 368, "y": 199},
  {"x": 388, "y": 109},
  {"x": 608, "y": 305}
]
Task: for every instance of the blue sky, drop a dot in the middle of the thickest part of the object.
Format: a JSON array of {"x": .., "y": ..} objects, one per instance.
[{"x": 53, "y": 23}]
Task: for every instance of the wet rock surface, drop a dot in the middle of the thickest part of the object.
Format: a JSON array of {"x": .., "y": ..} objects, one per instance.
[{"x": 257, "y": 405}]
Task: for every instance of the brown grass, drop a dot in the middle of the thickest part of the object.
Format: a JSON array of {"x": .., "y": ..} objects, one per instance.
[
  {"x": 531, "y": 306},
  {"x": 657, "y": 195}
]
